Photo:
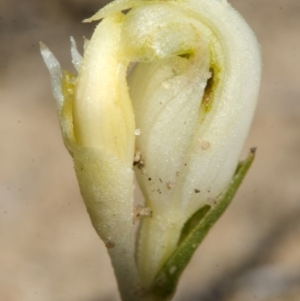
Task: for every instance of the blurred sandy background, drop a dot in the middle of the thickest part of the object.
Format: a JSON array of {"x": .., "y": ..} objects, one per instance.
[{"x": 48, "y": 249}]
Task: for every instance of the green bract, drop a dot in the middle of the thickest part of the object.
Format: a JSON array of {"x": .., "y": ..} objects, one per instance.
[{"x": 166, "y": 91}]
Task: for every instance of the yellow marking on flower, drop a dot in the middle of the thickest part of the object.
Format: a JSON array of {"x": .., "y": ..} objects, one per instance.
[{"x": 68, "y": 90}]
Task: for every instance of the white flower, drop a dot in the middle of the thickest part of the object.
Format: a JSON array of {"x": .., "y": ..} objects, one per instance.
[
  {"x": 181, "y": 116},
  {"x": 193, "y": 110}
]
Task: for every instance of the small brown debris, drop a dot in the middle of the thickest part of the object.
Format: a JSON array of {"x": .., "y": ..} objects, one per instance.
[
  {"x": 170, "y": 185},
  {"x": 137, "y": 157},
  {"x": 110, "y": 244},
  {"x": 253, "y": 150},
  {"x": 204, "y": 145},
  {"x": 211, "y": 201},
  {"x": 197, "y": 190},
  {"x": 140, "y": 211},
  {"x": 138, "y": 162}
]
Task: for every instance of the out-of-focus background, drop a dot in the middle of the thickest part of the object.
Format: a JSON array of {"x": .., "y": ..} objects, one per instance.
[{"x": 48, "y": 249}]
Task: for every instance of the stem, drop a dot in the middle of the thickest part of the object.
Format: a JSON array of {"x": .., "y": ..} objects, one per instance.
[
  {"x": 158, "y": 238},
  {"x": 126, "y": 273}
]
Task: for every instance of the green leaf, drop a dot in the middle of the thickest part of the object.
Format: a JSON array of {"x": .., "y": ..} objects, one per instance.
[
  {"x": 193, "y": 232},
  {"x": 191, "y": 224}
]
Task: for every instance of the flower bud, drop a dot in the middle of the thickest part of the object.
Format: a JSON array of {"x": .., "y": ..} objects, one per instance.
[{"x": 183, "y": 76}]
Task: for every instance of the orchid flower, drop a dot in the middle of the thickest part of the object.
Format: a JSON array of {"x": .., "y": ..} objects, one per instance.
[{"x": 165, "y": 92}]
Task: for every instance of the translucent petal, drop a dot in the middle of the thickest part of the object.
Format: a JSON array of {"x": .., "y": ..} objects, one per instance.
[
  {"x": 76, "y": 56},
  {"x": 55, "y": 74}
]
